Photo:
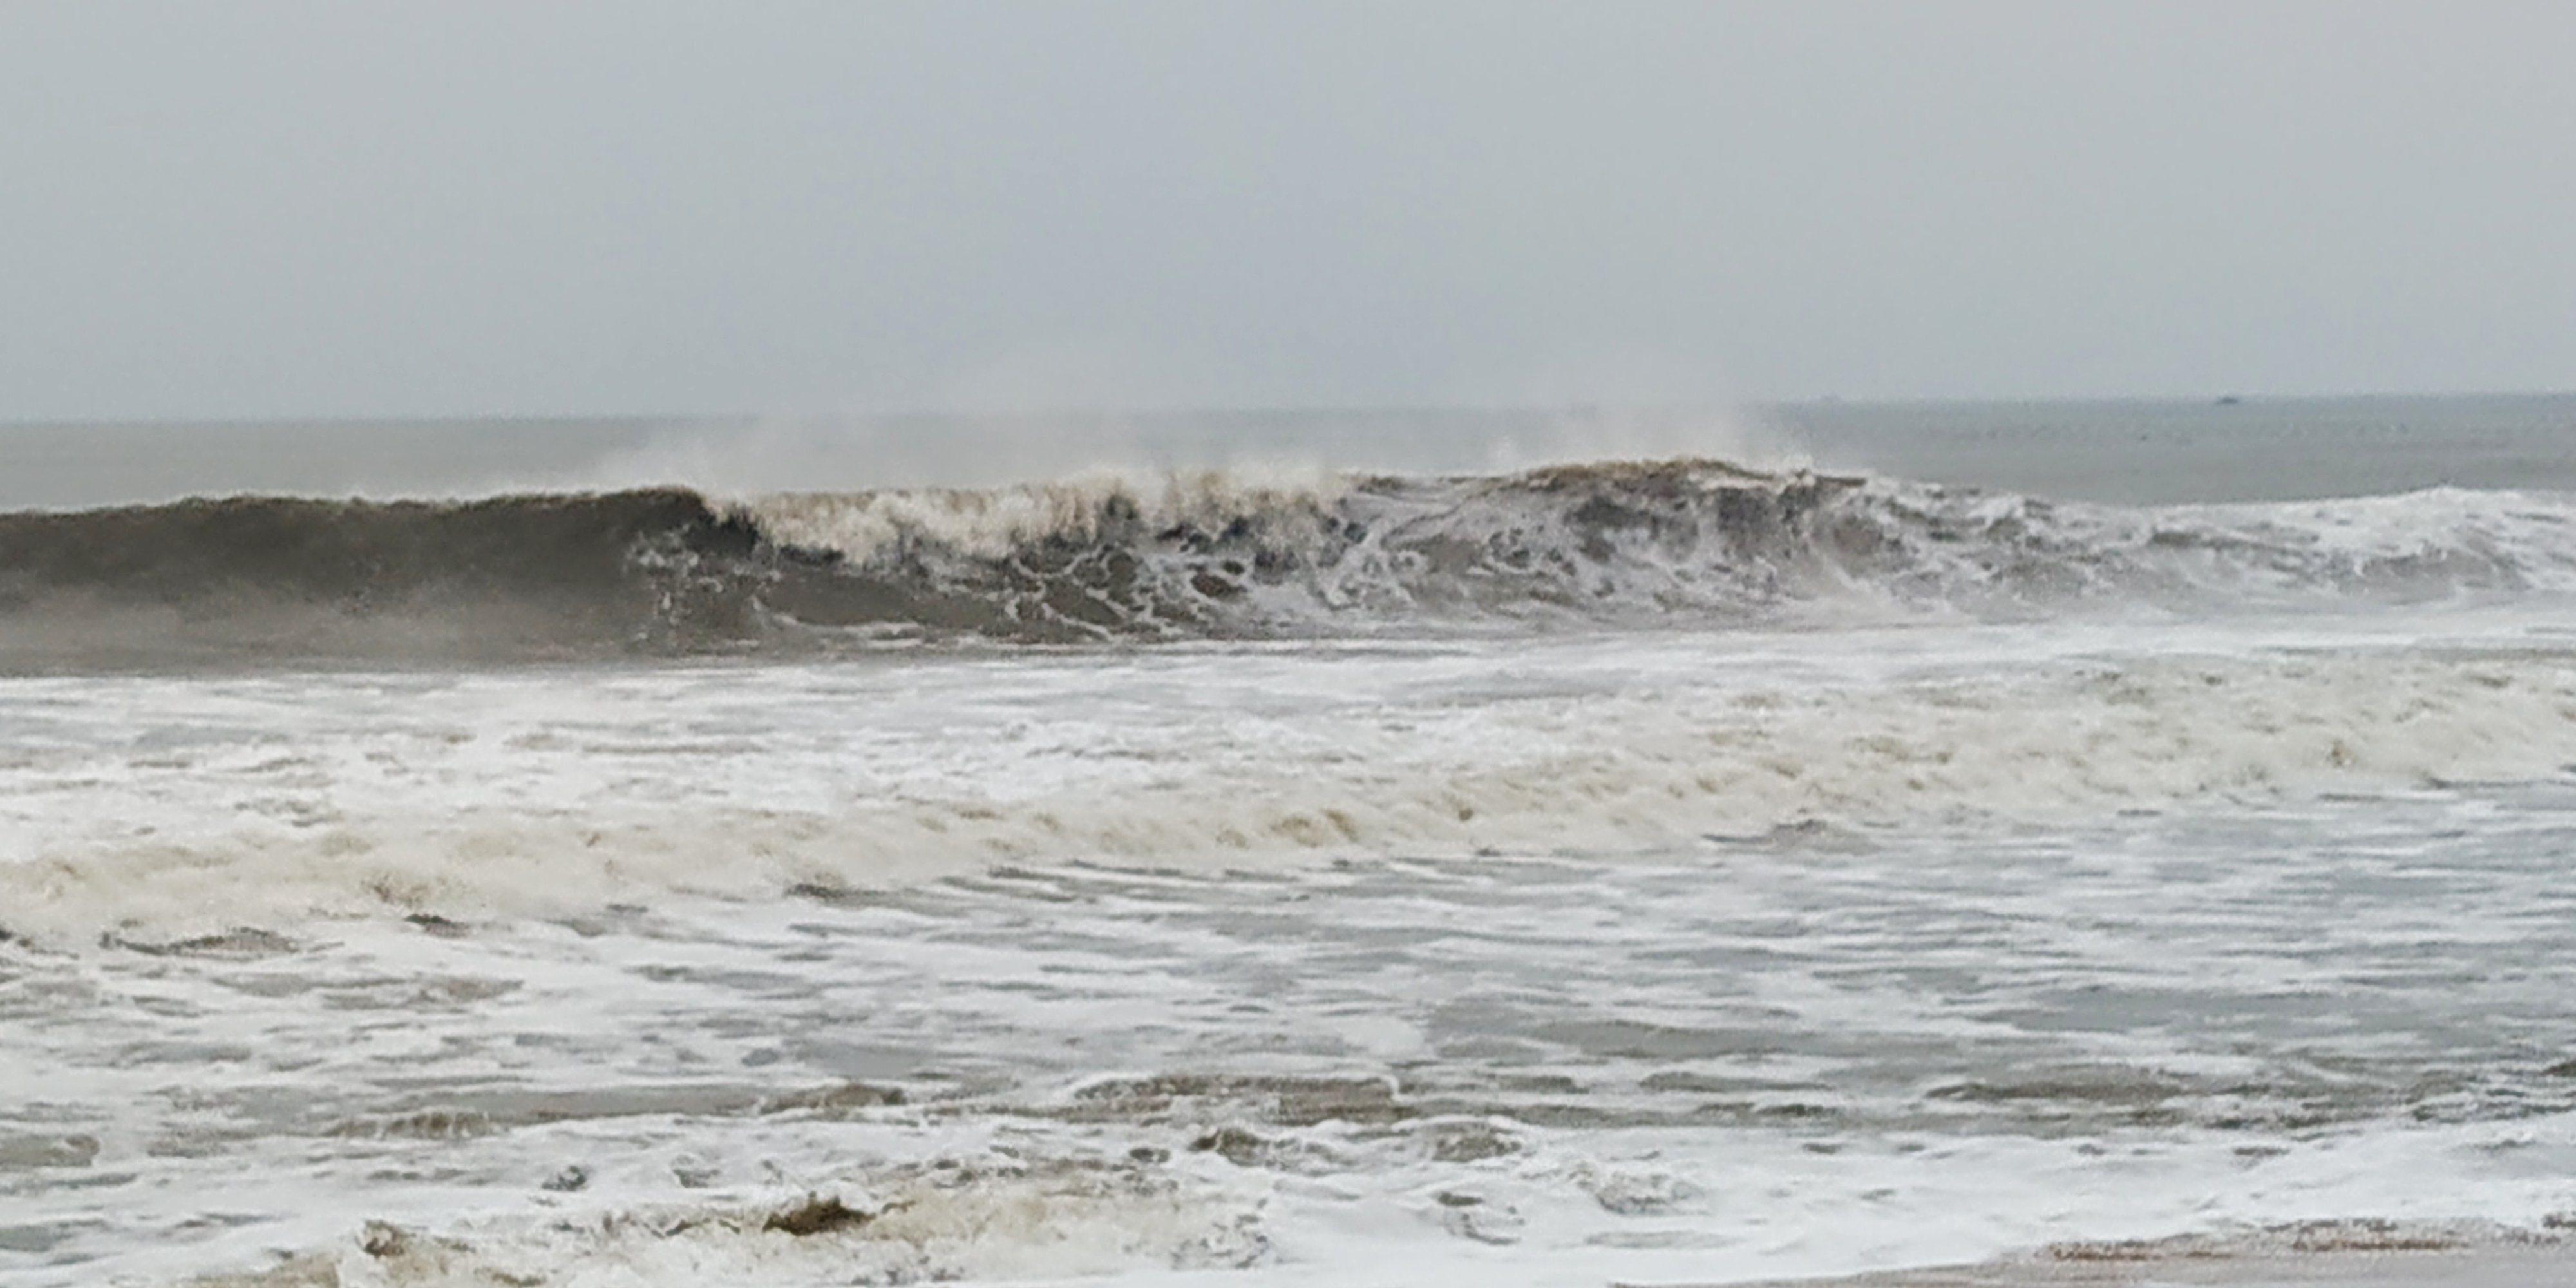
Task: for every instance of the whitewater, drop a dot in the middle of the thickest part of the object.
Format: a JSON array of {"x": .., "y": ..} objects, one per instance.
[{"x": 2097, "y": 843}]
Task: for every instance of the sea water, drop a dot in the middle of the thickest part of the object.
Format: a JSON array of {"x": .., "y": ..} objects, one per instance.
[{"x": 1932, "y": 834}]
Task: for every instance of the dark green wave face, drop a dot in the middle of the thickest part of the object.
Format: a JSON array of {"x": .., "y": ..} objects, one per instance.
[{"x": 252, "y": 579}]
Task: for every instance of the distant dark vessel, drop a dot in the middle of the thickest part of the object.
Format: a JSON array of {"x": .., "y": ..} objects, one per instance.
[{"x": 2229, "y": 400}]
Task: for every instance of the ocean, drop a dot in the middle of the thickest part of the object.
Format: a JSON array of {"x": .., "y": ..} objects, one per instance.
[{"x": 2090, "y": 842}]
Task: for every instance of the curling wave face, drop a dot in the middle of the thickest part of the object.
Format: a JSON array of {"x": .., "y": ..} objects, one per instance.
[{"x": 665, "y": 572}]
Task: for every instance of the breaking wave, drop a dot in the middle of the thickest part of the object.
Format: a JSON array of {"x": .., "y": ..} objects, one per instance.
[{"x": 1213, "y": 555}]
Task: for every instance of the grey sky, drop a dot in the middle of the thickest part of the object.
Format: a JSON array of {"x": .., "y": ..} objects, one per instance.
[{"x": 257, "y": 209}]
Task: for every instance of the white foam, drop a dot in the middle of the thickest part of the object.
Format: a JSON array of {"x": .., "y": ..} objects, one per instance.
[
  {"x": 2202, "y": 1022},
  {"x": 1041, "y": 1224},
  {"x": 175, "y": 803},
  {"x": 1668, "y": 1206}
]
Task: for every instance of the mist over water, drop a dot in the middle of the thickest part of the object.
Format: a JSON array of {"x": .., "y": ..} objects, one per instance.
[{"x": 79, "y": 466}]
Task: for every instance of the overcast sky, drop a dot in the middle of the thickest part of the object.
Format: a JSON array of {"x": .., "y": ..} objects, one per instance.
[{"x": 644, "y": 206}]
